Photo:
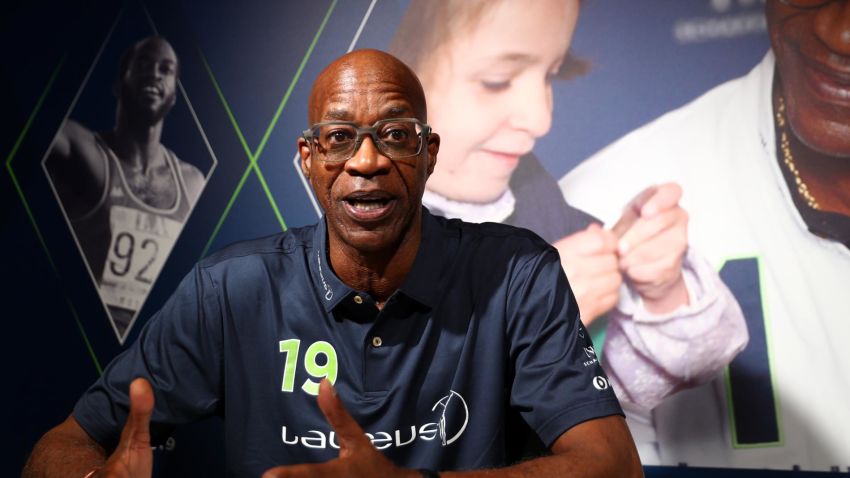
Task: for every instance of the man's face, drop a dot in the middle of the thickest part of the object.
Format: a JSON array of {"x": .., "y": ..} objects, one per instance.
[
  {"x": 149, "y": 84},
  {"x": 812, "y": 49},
  {"x": 370, "y": 201}
]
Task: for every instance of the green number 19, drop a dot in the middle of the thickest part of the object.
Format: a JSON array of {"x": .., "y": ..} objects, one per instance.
[{"x": 328, "y": 369}]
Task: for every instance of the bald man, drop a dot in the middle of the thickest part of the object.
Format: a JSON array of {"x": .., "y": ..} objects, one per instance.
[
  {"x": 382, "y": 341},
  {"x": 125, "y": 194}
]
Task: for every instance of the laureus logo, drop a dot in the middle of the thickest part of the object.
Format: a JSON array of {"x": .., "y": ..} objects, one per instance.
[
  {"x": 453, "y": 411},
  {"x": 447, "y": 419}
]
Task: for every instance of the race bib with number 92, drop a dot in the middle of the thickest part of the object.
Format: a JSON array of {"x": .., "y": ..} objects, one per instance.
[{"x": 138, "y": 248}]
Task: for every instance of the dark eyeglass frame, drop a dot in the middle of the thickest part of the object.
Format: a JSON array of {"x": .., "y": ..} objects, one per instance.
[
  {"x": 372, "y": 131},
  {"x": 805, "y": 6}
]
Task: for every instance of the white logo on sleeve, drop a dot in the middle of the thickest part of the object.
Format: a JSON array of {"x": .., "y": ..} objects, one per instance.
[
  {"x": 600, "y": 382},
  {"x": 591, "y": 355}
]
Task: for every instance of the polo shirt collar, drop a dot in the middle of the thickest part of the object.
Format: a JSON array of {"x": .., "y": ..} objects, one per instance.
[
  {"x": 330, "y": 289},
  {"x": 421, "y": 283}
]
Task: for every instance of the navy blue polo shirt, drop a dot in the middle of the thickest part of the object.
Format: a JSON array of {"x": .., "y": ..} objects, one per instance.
[{"x": 483, "y": 326}]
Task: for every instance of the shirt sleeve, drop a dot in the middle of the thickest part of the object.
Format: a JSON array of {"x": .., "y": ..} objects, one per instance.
[
  {"x": 178, "y": 352},
  {"x": 557, "y": 379},
  {"x": 650, "y": 357}
]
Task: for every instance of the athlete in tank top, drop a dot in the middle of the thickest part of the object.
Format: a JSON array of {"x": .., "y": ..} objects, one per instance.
[{"x": 126, "y": 240}]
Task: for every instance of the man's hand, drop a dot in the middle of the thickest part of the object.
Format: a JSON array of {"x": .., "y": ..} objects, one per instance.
[
  {"x": 589, "y": 258},
  {"x": 133, "y": 457},
  {"x": 357, "y": 456},
  {"x": 653, "y": 238}
]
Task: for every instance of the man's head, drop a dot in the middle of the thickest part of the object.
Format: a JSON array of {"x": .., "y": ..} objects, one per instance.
[
  {"x": 811, "y": 41},
  {"x": 146, "y": 85},
  {"x": 372, "y": 202}
]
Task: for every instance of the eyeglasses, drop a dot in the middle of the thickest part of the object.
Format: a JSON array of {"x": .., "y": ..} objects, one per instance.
[
  {"x": 395, "y": 138},
  {"x": 805, "y": 4}
]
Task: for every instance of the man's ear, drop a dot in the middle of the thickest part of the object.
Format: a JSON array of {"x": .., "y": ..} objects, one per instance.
[
  {"x": 433, "y": 149},
  {"x": 306, "y": 156}
]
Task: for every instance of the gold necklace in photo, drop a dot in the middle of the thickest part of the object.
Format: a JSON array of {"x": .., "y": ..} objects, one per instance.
[{"x": 788, "y": 157}]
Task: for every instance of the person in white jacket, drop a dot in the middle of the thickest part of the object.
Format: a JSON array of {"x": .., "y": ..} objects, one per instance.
[{"x": 764, "y": 163}]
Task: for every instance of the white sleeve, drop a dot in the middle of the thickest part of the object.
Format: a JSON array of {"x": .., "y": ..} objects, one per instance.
[{"x": 652, "y": 356}]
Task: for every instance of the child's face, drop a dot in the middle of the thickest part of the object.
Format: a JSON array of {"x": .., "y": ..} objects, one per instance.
[{"x": 489, "y": 94}]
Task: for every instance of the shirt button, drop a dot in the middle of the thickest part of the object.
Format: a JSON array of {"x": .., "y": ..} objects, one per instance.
[
  {"x": 376, "y": 341},
  {"x": 358, "y": 300}
]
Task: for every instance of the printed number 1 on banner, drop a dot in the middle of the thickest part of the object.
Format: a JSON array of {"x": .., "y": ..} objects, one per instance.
[{"x": 753, "y": 407}]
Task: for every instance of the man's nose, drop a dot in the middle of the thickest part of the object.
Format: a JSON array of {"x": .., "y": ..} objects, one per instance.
[
  {"x": 832, "y": 26},
  {"x": 367, "y": 160},
  {"x": 148, "y": 71},
  {"x": 531, "y": 110}
]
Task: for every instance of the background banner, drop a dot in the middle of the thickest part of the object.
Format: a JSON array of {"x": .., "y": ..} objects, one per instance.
[{"x": 85, "y": 270}]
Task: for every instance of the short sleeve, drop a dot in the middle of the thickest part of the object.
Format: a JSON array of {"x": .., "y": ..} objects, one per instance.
[
  {"x": 558, "y": 381},
  {"x": 178, "y": 352}
]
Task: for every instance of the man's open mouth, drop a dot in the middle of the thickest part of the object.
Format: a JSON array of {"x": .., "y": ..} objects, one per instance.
[{"x": 368, "y": 206}]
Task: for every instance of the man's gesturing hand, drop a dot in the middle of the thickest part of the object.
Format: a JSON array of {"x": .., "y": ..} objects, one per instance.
[
  {"x": 357, "y": 456},
  {"x": 133, "y": 457},
  {"x": 653, "y": 238}
]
